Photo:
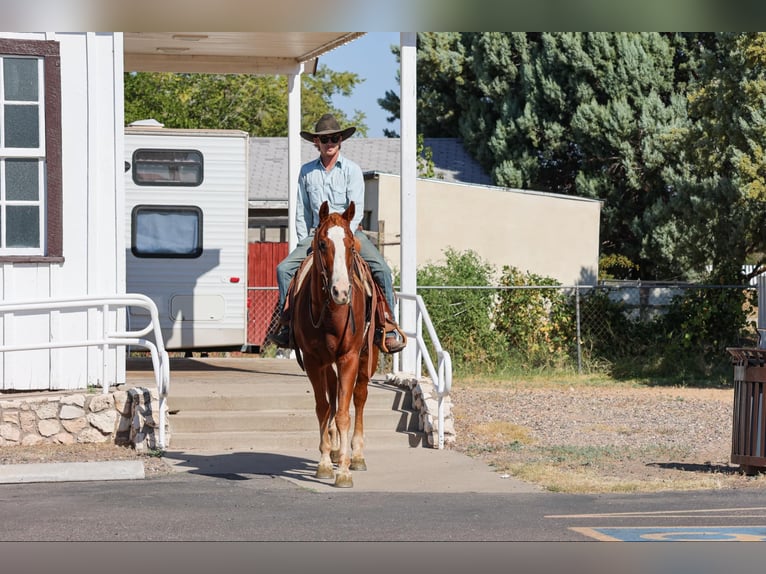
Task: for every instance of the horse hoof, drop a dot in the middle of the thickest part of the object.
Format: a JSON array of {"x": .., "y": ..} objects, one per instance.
[
  {"x": 344, "y": 481},
  {"x": 324, "y": 472},
  {"x": 358, "y": 464},
  {"x": 335, "y": 456}
]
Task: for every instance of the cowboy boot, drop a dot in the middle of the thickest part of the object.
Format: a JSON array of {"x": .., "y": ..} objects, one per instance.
[
  {"x": 281, "y": 338},
  {"x": 393, "y": 342}
]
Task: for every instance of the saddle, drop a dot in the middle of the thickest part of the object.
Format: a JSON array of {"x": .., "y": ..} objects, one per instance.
[{"x": 377, "y": 309}]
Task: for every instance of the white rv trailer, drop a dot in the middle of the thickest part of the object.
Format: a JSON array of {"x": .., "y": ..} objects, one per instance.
[{"x": 186, "y": 245}]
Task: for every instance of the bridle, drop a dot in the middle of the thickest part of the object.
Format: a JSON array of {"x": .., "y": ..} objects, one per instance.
[{"x": 324, "y": 274}]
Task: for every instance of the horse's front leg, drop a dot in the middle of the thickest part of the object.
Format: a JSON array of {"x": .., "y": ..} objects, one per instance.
[
  {"x": 332, "y": 396},
  {"x": 318, "y": 377},
  {"x": 348, "y": 367}
]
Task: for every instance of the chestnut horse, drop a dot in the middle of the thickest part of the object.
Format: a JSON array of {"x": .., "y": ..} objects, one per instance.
[{"x": 332, "y": 306}]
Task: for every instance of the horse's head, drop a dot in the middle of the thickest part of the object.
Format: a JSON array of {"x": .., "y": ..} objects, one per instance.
[{"x": 333, "y": 247}]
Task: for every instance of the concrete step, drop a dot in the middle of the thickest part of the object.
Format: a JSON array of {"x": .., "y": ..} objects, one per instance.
[
  {"x": 269, "y": 441},
  {"x": 276, "y": 416},
  {"x": 283, "y": 419},
  {"x": 255, "y": 397}
]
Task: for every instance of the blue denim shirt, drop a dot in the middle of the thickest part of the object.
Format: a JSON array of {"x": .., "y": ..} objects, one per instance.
[{"x": 340, "y": 186}]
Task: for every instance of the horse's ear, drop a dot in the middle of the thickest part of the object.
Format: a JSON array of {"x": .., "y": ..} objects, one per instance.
[
  {"x": 324, "y": 211},
  {"x": 348, "y": 215}
]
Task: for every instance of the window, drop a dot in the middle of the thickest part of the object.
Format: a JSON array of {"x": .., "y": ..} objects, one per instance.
[
  {"x": 30, "y": 151},
  {"x": 166, "y": 231},
  {"x": 167, "y": 167}
]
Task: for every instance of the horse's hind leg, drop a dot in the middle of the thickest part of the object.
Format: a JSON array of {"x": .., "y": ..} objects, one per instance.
[
  {"x": 347, "y": 373},
  {"x": 357, "y": 440},
  {"x": 360, "y": 399}
]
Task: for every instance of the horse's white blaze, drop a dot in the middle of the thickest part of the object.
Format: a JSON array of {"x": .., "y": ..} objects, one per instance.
[{"x": 339, "y": 284}]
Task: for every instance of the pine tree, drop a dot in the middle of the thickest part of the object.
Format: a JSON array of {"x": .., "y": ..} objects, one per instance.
[
  {"x": 586, "y": 114},
  {"x": 716, "y": 215}
]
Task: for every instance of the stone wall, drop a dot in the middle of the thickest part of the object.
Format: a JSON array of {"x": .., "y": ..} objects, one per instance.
[
  {"x": 125, "y": 416},
  {"x": 426, "y": 402}
]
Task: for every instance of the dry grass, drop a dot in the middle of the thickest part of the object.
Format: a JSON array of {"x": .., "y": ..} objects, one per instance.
[{"x": 579, "y": 437}]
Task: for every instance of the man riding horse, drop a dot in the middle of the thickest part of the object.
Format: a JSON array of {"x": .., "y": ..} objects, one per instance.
[{"x": 337, "y": 180}]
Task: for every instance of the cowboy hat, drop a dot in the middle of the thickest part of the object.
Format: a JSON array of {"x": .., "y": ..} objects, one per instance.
[{"x": 328, "y": 125}]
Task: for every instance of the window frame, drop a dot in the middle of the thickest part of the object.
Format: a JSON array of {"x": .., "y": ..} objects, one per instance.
[
  {"x": 165, "y": 182},
  {"x": 143, "y": 208},
  {"x": 52, "y": 217}
]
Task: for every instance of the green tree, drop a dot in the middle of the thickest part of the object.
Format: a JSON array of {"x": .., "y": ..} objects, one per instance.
[
  {"x": 440, "y": 68},
  {"x": 587, "y": 114},
  {"x": 716, "y": 214},
  {"x": 256, "y": 104}
]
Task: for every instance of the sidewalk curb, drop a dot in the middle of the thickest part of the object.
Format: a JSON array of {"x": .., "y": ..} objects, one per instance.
[{"x": 72, "y": 471}]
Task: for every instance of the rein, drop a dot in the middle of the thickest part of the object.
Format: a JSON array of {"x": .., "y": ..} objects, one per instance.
[{"x": 359, "y": 276}]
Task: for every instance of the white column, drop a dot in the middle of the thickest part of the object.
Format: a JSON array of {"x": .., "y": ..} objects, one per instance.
[
  {"x": 293, "y": 150},
  {"x": 408, "y": 122}
]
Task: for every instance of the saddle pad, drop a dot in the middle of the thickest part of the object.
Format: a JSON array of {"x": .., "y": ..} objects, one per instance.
[{"x": 303, "y": 272}]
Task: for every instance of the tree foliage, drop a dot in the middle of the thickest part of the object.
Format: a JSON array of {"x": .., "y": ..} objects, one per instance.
[
  {"x": 666, "y": 129},
  {"x": 578, "y": 114},
  {"x": 716, "y": 213},
  {"x": 255, "y": 104},
  {"x": 440, "y": 63}
]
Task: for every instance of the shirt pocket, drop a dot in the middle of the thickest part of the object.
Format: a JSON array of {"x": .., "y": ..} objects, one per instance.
[
  {"x": 314, "y": 193},
  {"x": 337, "y": 195}
]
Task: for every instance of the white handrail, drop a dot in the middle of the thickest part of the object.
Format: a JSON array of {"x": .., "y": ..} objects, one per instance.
[
  {"x": 442, "y": 374},
  {"x": 160, "y": 360}
]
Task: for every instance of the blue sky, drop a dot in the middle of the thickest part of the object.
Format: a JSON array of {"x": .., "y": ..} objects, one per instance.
[{"x": 370, "y": 57}]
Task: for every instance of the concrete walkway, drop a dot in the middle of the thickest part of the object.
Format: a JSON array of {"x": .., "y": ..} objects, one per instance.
[
  {"x": 391, "y": 468},
  {"x": 401, "y": 468}
]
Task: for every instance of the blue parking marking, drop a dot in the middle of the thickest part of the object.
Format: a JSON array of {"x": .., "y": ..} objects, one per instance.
[{"x": 676, "y": 533}]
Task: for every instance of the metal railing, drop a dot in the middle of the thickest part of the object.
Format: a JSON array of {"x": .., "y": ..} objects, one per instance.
[
  {"x": 107, "y": 338},
  {"x": 441, "y": 374}
]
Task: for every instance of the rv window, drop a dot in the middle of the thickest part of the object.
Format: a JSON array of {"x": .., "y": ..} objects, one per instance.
[
  {"x": 167, "y": 167},
  {"x": 166, "y": 231}
]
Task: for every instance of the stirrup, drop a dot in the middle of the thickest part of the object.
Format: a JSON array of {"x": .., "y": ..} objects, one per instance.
[
  {"x": 281, "y": 338},
  {"x": 388, "y": 341}
]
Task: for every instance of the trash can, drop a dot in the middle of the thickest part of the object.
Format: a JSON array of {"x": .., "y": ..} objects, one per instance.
[{"x": 748, "y": 434}]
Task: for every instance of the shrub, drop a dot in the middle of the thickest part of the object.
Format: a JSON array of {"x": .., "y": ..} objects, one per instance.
[
  {"x": 462, "y": 317},
  {"x": 701, "y": 324},
  {"x": 538, "y": 324}
]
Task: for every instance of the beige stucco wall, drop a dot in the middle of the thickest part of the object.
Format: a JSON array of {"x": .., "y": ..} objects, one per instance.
[{"x": 547, "y": 234}]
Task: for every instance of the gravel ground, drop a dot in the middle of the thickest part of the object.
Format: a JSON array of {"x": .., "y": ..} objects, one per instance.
[{"x": 601, "y": 439}]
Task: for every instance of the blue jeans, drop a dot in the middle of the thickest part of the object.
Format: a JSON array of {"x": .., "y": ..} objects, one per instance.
[{"x": 381, "y": 272}]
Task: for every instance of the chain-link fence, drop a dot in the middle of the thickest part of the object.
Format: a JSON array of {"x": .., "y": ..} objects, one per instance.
[
  {"x": 623, "y": 328},
  {"x": 262, "y": 315}
]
